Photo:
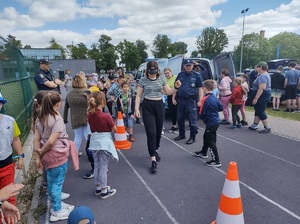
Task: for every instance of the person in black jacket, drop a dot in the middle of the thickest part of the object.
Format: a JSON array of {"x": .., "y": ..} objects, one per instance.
[
  {"x": 277, "y": 85},
  {"x": 209, "y": 113}
]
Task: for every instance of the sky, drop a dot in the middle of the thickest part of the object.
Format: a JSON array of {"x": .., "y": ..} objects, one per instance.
[{"x": 35, "y": 22}]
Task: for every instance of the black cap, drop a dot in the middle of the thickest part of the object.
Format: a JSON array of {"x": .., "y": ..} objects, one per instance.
[{"x": 44, "y": 61}]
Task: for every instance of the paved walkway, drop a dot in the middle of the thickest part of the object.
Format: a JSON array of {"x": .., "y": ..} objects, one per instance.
[{"x": 280, "y": 126}]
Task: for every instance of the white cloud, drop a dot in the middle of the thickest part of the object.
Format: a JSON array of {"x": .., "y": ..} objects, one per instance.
[{"x": 140, "y": 19}]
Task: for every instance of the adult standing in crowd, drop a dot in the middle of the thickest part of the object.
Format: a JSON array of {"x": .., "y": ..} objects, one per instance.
[
  {"x": 225, "y": 94},
  {"x": 261, "y": 96},
  {"x": 292, "y": 80},
  {"x": 172, "y": 105},
  {"x": 151, "y": 85},
  {"x": 189, "y": 96},
  {"x": 68, "y": 79},
  {"x": 277, "y": 85},
  {"x": 77, "y": 101},
  {"x": 44, "y": 79}
]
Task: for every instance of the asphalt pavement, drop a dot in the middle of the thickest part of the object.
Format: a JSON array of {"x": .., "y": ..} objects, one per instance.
[{"x": 184, "y": 190}]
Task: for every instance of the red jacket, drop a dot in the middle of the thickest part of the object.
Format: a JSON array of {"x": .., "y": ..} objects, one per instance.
[{"x": 237, "y": 96}]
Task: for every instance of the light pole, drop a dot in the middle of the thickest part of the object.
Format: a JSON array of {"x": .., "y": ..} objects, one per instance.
[{"x": 242, "y": 44}]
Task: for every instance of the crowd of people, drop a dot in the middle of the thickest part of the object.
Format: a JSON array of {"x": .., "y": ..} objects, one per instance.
[{"x": 94, "y": 104}]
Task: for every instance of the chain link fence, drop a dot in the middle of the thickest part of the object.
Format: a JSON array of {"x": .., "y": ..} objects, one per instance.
[{"x": 17, "y": 85}]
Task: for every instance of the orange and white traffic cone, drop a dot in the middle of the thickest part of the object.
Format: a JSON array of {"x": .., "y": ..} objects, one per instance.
[
  {"x": 230, "y": 207},
  {"x": 121, "y": 141}
]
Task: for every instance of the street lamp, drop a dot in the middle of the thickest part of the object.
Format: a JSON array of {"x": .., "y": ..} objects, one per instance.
[{"x": 242, "y": 44}]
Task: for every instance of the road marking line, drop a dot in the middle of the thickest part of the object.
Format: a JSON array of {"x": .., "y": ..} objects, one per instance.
[
  {"x": 244, "y": 184},
  {"x": 172, "y": 218}
]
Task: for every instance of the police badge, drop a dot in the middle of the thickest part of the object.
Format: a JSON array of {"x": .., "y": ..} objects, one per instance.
[{"x": 42, "y": 76}]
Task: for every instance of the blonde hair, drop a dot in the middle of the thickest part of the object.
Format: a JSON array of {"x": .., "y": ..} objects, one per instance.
[
  {"x": 79, "y": 81},
  {"x": 209, "y": 84},
  {"x": 97, "y": 99}
]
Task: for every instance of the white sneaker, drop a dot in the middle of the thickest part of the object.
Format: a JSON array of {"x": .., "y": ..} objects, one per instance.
[
  {"x": 64, "y": 206},
  {"x": 64, "y": 196},
  {"x": 62, "y": 214},
  {"x": 79, "y": 153}
]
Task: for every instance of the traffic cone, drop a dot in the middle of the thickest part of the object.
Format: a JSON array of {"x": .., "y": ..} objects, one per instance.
[
  {"x": 230, "y": 208},
  {"x": 121, "y": 141}
]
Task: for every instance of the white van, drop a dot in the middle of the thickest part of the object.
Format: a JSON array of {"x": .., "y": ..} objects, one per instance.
[{"x": 213, "y": 66}]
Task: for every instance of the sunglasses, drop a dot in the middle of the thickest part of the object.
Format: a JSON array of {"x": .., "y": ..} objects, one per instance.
[{"x": 152, "y": 71}]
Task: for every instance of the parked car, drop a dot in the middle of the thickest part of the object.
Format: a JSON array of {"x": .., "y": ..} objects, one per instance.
[{"x": 273, "y": 64}]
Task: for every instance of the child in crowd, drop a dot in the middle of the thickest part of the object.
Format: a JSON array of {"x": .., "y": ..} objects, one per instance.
[
  {"x": 101, "y": 143},
  {"x": 209, "y": 113},
  {"x": 125, "y": 104},
  {"x": 225, "y": 94},
  {"x": 237, "y": 101},
  {"x": 10, "y": 140},
  {"x": 216, "y": 91},
  {"x": 52, "y": 148},
  {"x": 244, "y": 78}
]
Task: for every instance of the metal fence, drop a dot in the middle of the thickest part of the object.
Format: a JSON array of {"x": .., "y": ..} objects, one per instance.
[{"x": 17, "y": 85}]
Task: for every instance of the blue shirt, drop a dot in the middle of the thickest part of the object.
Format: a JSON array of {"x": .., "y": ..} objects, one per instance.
[
  {"x": 190, "y": 82},
  {"x": 41, "y": 77},
  {"x": 211, "y": 107},
  {"x": 292, "y": 77},
  {"x": 262, "y": 78}
]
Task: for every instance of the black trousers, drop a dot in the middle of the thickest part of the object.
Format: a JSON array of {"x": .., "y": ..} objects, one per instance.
[
  {"x": 210, "y": 141},
  {"x": 234, "y": 113},
  {"x": 172, "y": 110},
  {"x": 153, "y": 112}
]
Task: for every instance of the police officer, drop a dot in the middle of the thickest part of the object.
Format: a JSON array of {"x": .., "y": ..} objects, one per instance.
[
  {"x": 189, "y": 96},
  {"x": 44, "y": 80}
]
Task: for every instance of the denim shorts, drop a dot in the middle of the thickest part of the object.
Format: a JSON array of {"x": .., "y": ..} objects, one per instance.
[{"x": 128, "y": 121}]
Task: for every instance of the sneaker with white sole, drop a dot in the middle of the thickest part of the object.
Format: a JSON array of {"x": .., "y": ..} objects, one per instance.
[
  {"x": 213, "y": 163},
  {"x": 62, "y": 214},
  {"x": 110, "y": 192},
  {"x": 200, "y": 154},
  {"x": 64, "y": 206},
  {"x": 64, "y": 196},
  {"x": 253, "y": 127}
]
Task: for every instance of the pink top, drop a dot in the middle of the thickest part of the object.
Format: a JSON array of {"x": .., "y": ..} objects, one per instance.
[
  {"x": 59, "y": 153},
  {"x": 224, "y": 86}
]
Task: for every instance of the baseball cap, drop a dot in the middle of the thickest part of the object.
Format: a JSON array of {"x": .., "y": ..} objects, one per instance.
[
  {"x": 188, "y": 62},
  {"x": 80, "y": 213},
  {"x": 262, "y": 64},
  {"x": 2, "y": 100},
  {"x": 44, "y": 61}
]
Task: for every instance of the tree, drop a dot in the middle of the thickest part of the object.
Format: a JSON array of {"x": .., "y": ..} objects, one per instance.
[
  {"x": 107, "y": 51},
  {"x": 55, "y": 45},
  {"x": 27, "y": 46},
  {"x": 255, "y": 49},
  {"x": 211, "y": 42},
  {"x": 287, "y": 44},
  {"x": 177, "y": 48},
  {"x": 80, "y": 51},
  {"x": 161, "y": 45},
  {"x": 129, "y": 54},
  {"x": 13, "y": 41},
  {"x": 194, "y": 54},
  {"x": 142, "y": 47}
]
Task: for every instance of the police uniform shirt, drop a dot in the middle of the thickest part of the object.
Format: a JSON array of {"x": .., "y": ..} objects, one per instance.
[
  {"x": 41, "y": 77},
  {"x": 189, "y": 84}
]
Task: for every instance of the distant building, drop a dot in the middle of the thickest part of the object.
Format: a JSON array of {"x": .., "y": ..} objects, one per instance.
[
  {"x": 59, "y": 65},
  {"x": 41, "y": 53}
]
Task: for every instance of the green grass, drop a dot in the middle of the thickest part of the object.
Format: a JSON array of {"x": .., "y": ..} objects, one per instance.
[{"x": 281, "y": 114}]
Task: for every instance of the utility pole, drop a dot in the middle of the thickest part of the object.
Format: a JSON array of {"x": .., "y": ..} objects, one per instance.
[{"x": 242, "y": 44}]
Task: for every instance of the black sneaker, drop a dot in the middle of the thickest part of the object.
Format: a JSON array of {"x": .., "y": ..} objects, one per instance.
[
  {"x": 98, "y": 192},
  {"x": 200, "y": 154},
  {"x": 224, "y": 122},
  {"x": 89, "y": 175},
  {"x": 110, "y": 192},
  {"x": 175, "y": 131},
  {"x": 213, "y": 163},
  {"x": 157, "y": 157},
  {"x": 153, "y": 168},
  {"x": 171, "y": 130},
  {"x": 244, "y": 123},
  {"x": 265, "y": 130}
]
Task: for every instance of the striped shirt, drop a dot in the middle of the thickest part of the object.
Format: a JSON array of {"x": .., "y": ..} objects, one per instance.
[{"x": 152, "y": 88}]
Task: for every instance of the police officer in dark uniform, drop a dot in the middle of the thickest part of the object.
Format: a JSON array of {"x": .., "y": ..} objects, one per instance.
[
  {"x": 189, "y": 96},
  {"x": 44, "y": 80}
]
